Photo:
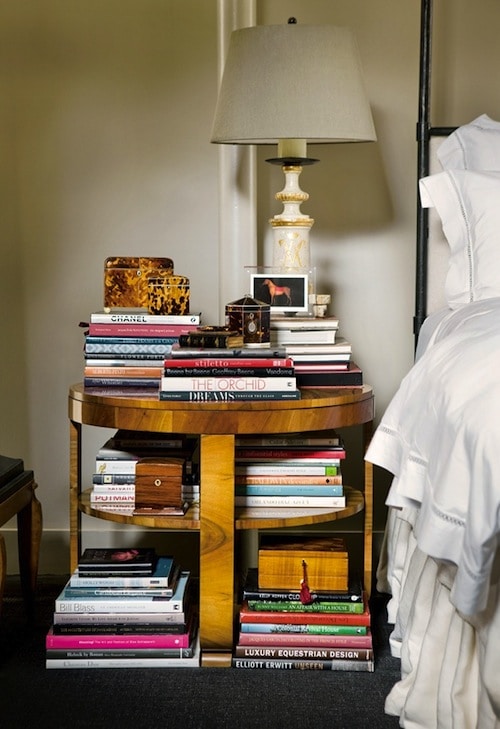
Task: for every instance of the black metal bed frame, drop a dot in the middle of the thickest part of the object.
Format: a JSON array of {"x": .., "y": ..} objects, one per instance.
[{"x": 425, "y": 131}]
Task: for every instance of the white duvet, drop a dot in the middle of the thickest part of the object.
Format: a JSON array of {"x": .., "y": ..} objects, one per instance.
[{"x": 440, "y": 437}]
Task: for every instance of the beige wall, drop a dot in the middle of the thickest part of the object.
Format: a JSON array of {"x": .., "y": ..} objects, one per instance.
[{"x": 104, "y": 126}]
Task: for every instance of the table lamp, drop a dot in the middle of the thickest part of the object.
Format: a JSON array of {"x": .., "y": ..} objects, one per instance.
[{"x": 291, "y": 85}]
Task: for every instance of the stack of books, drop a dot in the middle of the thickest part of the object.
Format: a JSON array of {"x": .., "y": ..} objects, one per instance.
[
  {"x": 321, "y": 357},
  {"x": 125, "y": 608},
  {"x": 281, "y": 629},
  {"x": 124, "y": 349},
  {"x": 114, "y": 477},
  {"x": 290, "y": 471},
  {"x": 227, "y": 374}
]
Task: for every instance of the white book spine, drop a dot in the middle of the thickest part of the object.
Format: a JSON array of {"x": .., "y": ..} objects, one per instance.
[
  {"x": 333, "y": 502},
  {"x": 228, "y": 384}
]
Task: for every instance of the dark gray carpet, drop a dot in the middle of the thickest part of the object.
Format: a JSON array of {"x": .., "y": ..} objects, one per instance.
[{"x": 32, "y": 696}]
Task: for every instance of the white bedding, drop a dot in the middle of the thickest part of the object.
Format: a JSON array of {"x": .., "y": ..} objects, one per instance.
[{"x": 440, "y": 437}]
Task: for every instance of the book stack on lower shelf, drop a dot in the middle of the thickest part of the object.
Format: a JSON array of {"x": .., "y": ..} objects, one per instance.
[
  {"x": 124, "y": 349},
  {"x": 321, "y": 357},
  {"x": 227, "y": 374},
  {"x": 301, "y": 470},
  {"x": 125, "y": 608},
  {"x": 126, "y": 454},
  {"x": 303, "y": 627}
]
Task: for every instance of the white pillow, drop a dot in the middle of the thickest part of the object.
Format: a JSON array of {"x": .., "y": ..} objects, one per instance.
[
  {"x": 473, "y": 146},
  {"x": 468, "y": 204}
]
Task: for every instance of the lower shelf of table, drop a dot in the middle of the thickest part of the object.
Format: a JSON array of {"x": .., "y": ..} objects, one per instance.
[{"x": 245, "y": 518}]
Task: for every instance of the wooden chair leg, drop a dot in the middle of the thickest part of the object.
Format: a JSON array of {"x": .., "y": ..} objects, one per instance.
[{"x": 29, "y": 535}]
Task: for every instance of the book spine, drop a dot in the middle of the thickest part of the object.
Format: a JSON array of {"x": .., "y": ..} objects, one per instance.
[
  {"x": 117, "y": 642},
  {"x": 309, "y": 322},
  {"x": 104, "y": 605},
  {"x": 190, "y": 396},
  {"x": 333, "y": 502},
  {"x": 314, "y": 607},
  {"x": 304, "y": 665},
  {"x": 297, "y": 469},
  {"x": 331, "y": 379},
  {"x": 144, "y": 341},
  {"x": 286, "y": 441},
  {"x": 312, "y": 336},
  {"x": 214, "y": 341},
  {"x": 228, "y": 384},
  {"x": 121, "y": 381},
  {"x": 139, "y": 330},
  {"x": 226, "y": 371},
  {"x": 179, "y": 352},
  {"x": 118, "y": 618},
  {"x": 305, "y": 640},
  {"x": 255, "y": 454},
  {"x": 118, "y": 629},
  {"x": 117, "y": 592},
  {"x": 122, "y": 662},
  {"x": 126, "y": 485},
  {"x": 303, "y": 628},
  {"x": 290, "y": 596},
  {"x": 115, "y": 466},
  {"x": 117, "y": 653},
  {"x": 229, "y": 362},
  {"x": 289, "y": 480},
  {"x": 120, "y": 582},
  {"x": 287, "y": 462},
  {"x": 125, "y": 371},
  {"x": 139, "y": 318},
  {"x": 113, "y": 498},
  {"x": 128, "y": 361},
  {"x": 270, "y": 616},
  {"x": 298, "y": 652},
  {"x": 272, "y": 490},
  {"x": 130, "y": 351}
]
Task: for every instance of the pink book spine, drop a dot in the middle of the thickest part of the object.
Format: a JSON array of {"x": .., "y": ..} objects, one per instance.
[
  {"x": 100, "y": 642},
  {"x": 258, "y": 453},
  {"x": 140, "y": 330},
  {"x": 306, "y": 640}
]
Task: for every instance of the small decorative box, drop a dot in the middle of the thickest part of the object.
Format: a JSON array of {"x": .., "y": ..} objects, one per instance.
[
  {"x": 284, "y": 563},
  {"x": 252, "y": 318},
  {"x": 168, "y": 294},
  {"x": 158, "y": 482}
]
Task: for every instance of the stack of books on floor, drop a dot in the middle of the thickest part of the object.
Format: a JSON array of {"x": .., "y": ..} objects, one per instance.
[
  {"x": 300, "y": 626},
  {"x": 321, "y": 357},
  {"x": 124, "y": 349},
  {"x": 302, "y": 470},
  {"x": 125, "y": 608},
  {"x": 117, "y": 463},
  {"x": 226, "y": 373}
]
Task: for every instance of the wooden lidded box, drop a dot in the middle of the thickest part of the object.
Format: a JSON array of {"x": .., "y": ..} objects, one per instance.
[
  {"x": 158, "y": 482},
  {"x": 281, "y": 563}
]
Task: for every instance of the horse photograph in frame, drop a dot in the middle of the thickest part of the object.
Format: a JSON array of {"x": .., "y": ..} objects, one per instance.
[{"x": 286, "y": 293}]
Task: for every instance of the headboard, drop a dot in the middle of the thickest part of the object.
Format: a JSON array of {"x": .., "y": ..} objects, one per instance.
[{"x": 432, "y": 248}]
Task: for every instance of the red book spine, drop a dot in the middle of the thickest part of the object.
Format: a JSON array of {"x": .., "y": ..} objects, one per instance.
[
  {"x": 268, "y": 616},
  {"x": 237, "y": 362}
]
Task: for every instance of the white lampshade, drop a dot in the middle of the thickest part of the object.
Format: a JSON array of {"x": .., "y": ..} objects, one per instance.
[{"x": 292, "y": 82}]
